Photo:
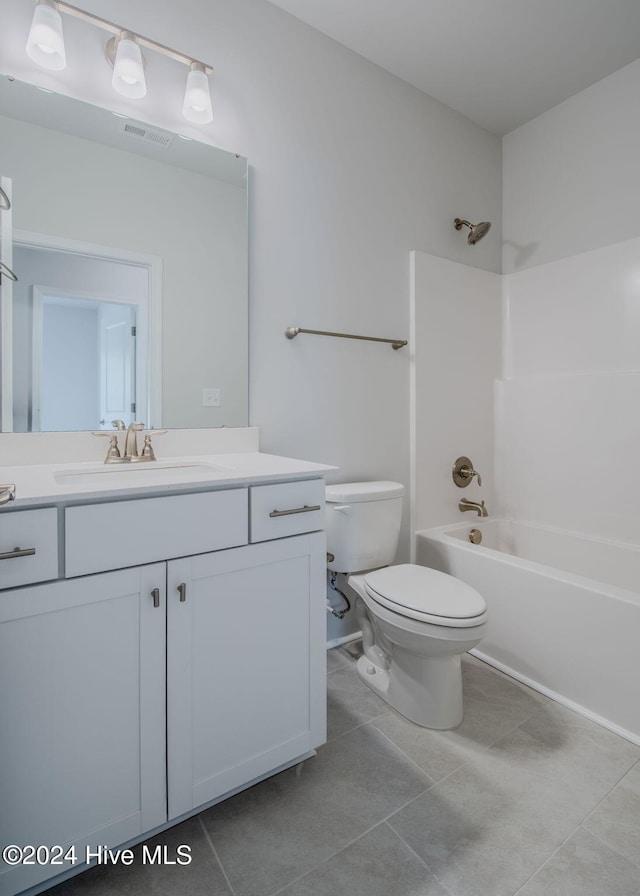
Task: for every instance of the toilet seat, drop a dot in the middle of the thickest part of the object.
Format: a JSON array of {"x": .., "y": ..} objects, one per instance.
[{"x": 426, "y": 595}]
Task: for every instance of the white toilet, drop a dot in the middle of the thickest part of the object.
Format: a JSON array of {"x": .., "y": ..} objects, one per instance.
[{"x": 416, "y": 622}]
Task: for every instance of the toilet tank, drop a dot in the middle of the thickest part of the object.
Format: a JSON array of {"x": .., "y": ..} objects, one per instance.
[{"x": 363, "y": 524}]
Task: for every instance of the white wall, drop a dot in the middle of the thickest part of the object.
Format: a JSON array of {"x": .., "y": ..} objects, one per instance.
[
  {"x": 351, "y": 169},
  {"x": 571, "y": 175},
  {"x": 568, "y": 424},
  {"x": 456, "y": 334}
]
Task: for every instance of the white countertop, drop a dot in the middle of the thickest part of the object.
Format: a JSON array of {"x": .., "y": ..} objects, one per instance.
[{"x": 38, "y": 484}]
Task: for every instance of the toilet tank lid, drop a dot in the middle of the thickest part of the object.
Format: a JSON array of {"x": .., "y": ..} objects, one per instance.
[{"x": 352, "y": 492}]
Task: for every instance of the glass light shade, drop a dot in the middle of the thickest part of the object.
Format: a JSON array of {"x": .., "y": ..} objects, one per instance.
[
  {"x": 45, "y": 44},
  {"x": 197, "y": 98},
  {"x": 128, "y": 69}
]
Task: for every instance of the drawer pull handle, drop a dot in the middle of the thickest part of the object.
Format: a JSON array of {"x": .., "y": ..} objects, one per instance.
[
  {"x": 155, "y": 594},
  {"x": 305, "y": 509},
  {"x": 182, "y": 591},
  {"x": 18, "y": 552},
  {"x": 7, "y": 493}
]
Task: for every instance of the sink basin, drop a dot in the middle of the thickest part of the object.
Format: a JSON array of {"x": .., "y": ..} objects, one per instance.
[{"x": 112, "y": 474}]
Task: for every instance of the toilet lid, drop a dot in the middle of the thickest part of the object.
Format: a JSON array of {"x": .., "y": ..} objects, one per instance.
[{"x": 424, "y": 593}]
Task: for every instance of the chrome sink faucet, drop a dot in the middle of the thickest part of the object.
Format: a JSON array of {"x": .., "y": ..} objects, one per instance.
[{"x": 480, "y": 509}]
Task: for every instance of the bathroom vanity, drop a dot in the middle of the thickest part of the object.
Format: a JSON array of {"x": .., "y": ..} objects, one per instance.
[{"x": 162, "y": 646}]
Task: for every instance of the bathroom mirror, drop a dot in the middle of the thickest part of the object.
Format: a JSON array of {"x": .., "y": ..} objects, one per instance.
[{"x": 130, "y": 248}]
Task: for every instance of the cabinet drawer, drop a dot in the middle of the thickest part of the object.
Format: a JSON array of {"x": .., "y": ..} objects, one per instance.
[
  {"x": 128, "y": 533},
  {"x": 286, "y": 508},
  {"x": 35, "y": 531}
]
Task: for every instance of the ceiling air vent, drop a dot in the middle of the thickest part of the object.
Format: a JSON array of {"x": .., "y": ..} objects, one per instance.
[{"x": 140, "y": 132}]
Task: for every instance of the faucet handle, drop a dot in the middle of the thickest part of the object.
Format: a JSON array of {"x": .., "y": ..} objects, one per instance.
[
  {"x": 147, "y": 452},
  {"x": 463, "y": 472},
  {"x": 113, "y": 452},
  {"x": 7, "y": 493}
]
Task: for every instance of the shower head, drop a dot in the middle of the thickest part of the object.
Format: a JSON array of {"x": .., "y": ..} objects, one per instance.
[{"x": 476, "y": 231}]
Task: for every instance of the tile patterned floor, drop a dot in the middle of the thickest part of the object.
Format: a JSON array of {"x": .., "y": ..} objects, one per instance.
[{"x": 525, "y": 798}]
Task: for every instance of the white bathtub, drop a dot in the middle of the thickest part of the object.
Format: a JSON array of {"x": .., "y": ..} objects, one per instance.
[{"x": 564, "y": 611}]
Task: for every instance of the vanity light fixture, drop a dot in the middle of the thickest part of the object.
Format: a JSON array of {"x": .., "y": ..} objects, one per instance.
[
  {"x": 124, "y": 54},
  {"x": 197, "y": 99},
  {"x": 45, "y": 46}
]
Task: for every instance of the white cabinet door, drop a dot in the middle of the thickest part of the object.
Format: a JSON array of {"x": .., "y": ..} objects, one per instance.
[
  {"x": 245, "y": 665},
  {"x": 82, "y": 715}
]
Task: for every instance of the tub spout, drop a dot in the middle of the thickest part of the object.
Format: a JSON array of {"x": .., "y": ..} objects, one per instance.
[{"x": 479, "y": 508}]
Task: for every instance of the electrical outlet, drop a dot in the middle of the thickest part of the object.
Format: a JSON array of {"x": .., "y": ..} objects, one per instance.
[{"x": 211, "y": 398}]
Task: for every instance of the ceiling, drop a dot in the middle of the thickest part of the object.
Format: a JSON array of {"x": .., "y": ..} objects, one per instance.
[{"x": 499, "y": 62}]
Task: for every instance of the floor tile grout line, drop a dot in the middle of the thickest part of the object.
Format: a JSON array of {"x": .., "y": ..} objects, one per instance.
[
  {"x": 215, "y": 854},
  {"x": 328, "y": 859},
  {"x": 482, "y": 749},
  {"x": 349, "y": 843},
  {"x": 579, "y": 827},
  {"x": 515, "y": 728},
  {"x": 382, "y": 821},
  {"x": 546, "y": 861},
  {"x": 601, "y": 801},
  {"x": 406, "y": 756},
  {"x": 418, "y": 857},
  {"x": 540, "y": 867},
  {"x": 510, "y": 731},
  {"x": 613, "y": 787},
  {"x": 607, "y": 844},
  {"x": 355, "y": 727}
]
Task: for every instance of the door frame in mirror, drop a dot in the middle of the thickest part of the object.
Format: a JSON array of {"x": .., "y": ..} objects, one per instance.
[{"x": 151, "y": 409}]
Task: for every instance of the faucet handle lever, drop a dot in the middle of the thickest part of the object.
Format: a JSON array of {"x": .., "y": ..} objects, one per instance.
[
  {"x": 113, "y": 452},
  {"x": 463, "y": 472},
  {"x": 147, "y": 452}
]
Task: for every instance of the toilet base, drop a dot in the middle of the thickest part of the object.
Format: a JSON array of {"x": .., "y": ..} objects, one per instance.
[{"x": 426, "y": 690}]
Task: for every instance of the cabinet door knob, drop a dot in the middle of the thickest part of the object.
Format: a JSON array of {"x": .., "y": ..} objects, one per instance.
[
  {"x": 182, "y": 591},
  {"x": 155, "y": 594}
]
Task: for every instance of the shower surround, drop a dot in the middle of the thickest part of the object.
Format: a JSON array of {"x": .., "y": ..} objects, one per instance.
[
  {"x": 565, "y": 427},
  {"x": 568, "y": 426}
]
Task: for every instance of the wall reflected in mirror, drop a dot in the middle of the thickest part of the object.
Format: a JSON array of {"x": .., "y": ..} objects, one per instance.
[{"x": 130, "y": 245}]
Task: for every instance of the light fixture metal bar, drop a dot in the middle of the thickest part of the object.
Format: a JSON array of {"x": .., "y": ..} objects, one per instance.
[{"x": 112, "y": 28}]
